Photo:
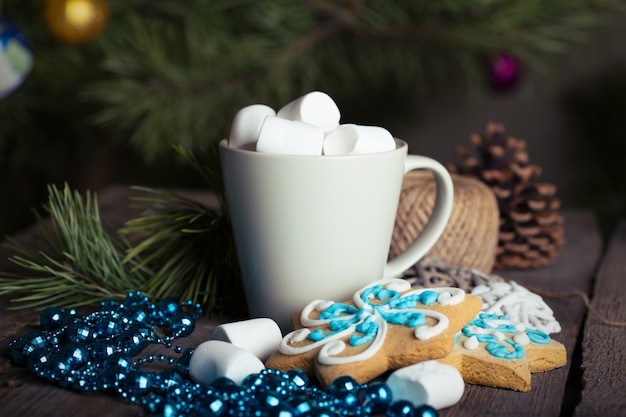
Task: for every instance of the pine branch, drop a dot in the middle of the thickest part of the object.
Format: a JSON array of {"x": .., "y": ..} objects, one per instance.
[
  {"x": 74, "y": 261},
  {"x": 191, "y": 248},
  {"x": 188, "y": 68}
]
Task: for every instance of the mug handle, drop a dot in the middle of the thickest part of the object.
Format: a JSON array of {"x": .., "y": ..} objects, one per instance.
[{"x": 438, "y": 220}]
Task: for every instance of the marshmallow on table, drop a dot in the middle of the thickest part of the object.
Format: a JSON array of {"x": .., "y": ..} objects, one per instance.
[
  {"x": 260, "y": 336},
  {"x": 351, "y": 139},
  {"x": 214, "y": 359},
  {"x": 429, "y": 382},
  {"x": 315, "y": 108},
  {"x": 247, "y": 124},
  {"x": 290, "y": 137}
]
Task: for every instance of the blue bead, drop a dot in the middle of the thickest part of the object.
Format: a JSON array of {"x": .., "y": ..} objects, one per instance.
[
  {"x": 136, "y": 382},
  {"x": 401, "y": 408},
  {"x": 182, "y": 324},
  {"x": 114, "y": 365},
  {"x": 102, "y": 349},
  {"x": 81, "y": 332},
  {"x": 343, "y": 384},
  {"x": 76, "y": 354},
  {"x": 57, "y": 366},
  {"x": 298, "y": 380},
  {"x": 37, "y": 358},
  {"x": 138, "y": 314},
  {"x": 168, "y": 306},
  {"x": 425, "y": 410},
  {"x": 211, "y": 406},
  {"x": 108, "y": 326},
  {"x": 51, "y": 318},
  {"x": 38, "y": 339},
  {"x": 20, "y": 350},
  {"x": 377, "y": 396},
  {"x": 133, "y": 341},
  {"x": 301, "y": 404}
]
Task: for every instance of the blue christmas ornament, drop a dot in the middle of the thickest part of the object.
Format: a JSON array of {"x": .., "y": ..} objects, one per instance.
[{"x": 16, "y": 57}]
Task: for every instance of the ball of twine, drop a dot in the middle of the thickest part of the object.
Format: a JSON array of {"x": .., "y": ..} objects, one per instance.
[{"x": 470, "y": 238}]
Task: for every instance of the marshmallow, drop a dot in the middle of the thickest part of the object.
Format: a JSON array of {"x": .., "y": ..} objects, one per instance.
[
  {"x": 290, "y": 137},
  {"x": 429, "y": 382},
  {"x": 351, "y": 139},
  {"x": 214, "y": 359},
  {"x": 260, "y": 336},
  {"x": 315, "y": 108},
  {"x": 247, "y": 124}
]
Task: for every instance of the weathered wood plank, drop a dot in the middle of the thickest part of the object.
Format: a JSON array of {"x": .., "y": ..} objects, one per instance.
[
  {"x": 573, "y": 270},
  {"x": 23, "y": 394},
  {"x": 604, "y": 346}
]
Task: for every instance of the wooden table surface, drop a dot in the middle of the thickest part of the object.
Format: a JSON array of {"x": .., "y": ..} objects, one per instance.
[{"x": 593, "y": 383}]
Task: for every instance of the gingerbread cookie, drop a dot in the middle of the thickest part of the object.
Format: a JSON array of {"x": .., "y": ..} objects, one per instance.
[
  {"x": 387, "y": 325},
  {"x": 495, "y": 351}
]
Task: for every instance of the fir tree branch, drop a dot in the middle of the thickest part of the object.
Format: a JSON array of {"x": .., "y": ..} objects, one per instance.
[
  {"x": 191, "y": 248},
  {"x": 74, "y": 260}
]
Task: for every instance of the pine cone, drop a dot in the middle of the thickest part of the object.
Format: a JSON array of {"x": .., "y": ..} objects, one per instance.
[{"x": 531, "y": 229}]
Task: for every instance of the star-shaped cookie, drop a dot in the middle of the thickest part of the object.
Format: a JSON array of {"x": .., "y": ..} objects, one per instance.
[
  {"x": 496, "y": 351},
  {"x": 387, "y": 325}
]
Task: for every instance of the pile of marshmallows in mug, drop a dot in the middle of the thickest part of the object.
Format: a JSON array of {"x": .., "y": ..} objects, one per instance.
[{"x": 308, "y": 125}]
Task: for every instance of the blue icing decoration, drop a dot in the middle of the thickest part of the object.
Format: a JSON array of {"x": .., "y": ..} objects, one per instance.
[
  {"x": 500, "y": 350},
  {"x": 411, "y": 319},
  {"x": 335, "y": 310},
  {"x": 316, "y": 335},
  {"x": 429, "y": 297},
  {"x": 480, "y": 321},
  {"x": 369, "y": 328},
  {"x": 537, "y": 336}
]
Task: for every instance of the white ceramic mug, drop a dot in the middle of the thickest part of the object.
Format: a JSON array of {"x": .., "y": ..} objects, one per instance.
[{"x": 320, "y": 227}]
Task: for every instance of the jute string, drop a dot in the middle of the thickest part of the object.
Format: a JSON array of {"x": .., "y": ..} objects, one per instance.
[{"x": 578, "y": 294}]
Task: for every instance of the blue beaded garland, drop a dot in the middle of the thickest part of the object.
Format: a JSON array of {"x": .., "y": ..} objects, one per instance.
[{"x": 93, "y": 352}]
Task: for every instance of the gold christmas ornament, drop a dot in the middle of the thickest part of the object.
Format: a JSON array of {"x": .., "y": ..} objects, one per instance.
[
  {"x": 531, "y": 229},
  {"x": 471, "y": 237},
  {"x": 75, "y": 21}
]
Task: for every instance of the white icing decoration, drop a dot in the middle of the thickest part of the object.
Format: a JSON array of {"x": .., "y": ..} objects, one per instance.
[
  {"x": 471, "y": 343},
  {"x": 522, "y": 339},
  {"x": 499, "y": 336},
  {"x": 444, "y": 298},
  {"x": 425, "y": 332},
  {"x": 518, "y": 303}
]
